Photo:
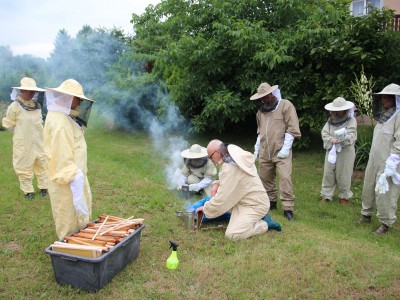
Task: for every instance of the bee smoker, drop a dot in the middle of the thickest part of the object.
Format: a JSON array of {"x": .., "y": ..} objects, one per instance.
[
  {"x": 185, "y": 191},
  {"x": 187, "y": 218}
]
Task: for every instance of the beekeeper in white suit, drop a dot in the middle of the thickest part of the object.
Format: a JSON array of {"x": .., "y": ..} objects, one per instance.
[
  {"x": 339, "y": 136},
  {"x": 69, "y": 190},
  {"x": 198, "y": 170},
  {"x": 278, "y": 126},
  {"x": 381, "y": 181},
  {"x": 24, "y": 119}
]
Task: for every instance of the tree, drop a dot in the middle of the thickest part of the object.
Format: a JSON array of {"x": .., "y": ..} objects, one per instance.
[{"x": 213, "y": 54}]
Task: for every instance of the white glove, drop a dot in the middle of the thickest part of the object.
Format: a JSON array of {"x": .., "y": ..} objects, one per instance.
[
  {"x": 76, "y": 186},
  {"x": 332, "y": 155},
  {"x": 195, "y": 187},
  {"x": 181, "y": 181},
  {"x": 257, "y": 148},
  {"x": 382, "y": 186},
  {"x": 391, "y": 165},
  {"x": 287, "y": 144},
  {"x": 341, "y": 134},
  {"x": 338, "y": 147}
]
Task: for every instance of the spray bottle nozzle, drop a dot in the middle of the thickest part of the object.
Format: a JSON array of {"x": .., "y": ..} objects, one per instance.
[{"x": 174, "y": 245}]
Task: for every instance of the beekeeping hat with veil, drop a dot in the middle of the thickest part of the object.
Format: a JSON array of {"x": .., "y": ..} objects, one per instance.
[
  {"x": 61, "y": 99},
  {"x": 385, "y": 116},
  {"x": 27, "y": 84},
  {"x": 263, "y": 90}
]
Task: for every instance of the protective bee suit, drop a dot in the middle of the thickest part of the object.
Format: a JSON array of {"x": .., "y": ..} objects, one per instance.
[
  {"x": 241, "y": 192},
  {"x": 24, "y": 119},
  {"x": 278, "y": 126},
  {"x": 339, "y": 136},
  {"x": 65, "y": 145},
  {"x": 381, "y": 182},
  {"x": 198, "y": 170}
]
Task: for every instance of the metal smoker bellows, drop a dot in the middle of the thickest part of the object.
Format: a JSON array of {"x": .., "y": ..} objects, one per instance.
[{"x": 187, "y": 218}]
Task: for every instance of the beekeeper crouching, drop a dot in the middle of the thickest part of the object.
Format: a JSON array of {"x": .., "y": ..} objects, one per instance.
[
  {"x": 65, "y": 145},
  {"x": 198, "y": 170}
]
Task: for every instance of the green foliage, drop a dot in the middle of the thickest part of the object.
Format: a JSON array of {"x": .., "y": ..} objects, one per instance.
[
  {"x": 210, "y": 49},
  {"x": 363, "y": 146}
]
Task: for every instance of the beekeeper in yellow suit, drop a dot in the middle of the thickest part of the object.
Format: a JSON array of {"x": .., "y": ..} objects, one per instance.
[
  {"x": 69, "y": 190},
  {"x": 382, "y": 175},
  {"x": 24, "y": 119}
]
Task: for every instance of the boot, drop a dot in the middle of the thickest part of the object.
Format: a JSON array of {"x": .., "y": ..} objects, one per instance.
[
  {"x": 288, "y": 215},
  {"x": 272, "y": 205},
  {"x": 343, "y": 201},
  {"x": 382, "y": 229},
  {"x": 43, "y": 192},
  {"x": 271, "y": 223},
  {"x": 364, "y": 219},
  {"x": 29, "y": 196}
]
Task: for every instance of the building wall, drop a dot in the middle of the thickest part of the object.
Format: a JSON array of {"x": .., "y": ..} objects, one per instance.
[{"x": 392, "y": 4}]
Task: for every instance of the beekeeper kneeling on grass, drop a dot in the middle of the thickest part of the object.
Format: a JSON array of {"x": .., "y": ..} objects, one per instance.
[
  {"x": 239, "y": 191},
  {"x": 65, "y": 146}
]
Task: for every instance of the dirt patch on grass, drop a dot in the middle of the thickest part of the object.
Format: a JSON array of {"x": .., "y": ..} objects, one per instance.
[
  {"x": 13, "y": 246},
  {"x": 358, "y": 174}
]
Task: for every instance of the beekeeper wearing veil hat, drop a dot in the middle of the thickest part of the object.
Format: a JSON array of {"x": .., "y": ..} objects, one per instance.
[
  {"x": 198, "y": 170},
  {"x": 69, "y": 190},
  {"x": 24, "y": 119},
  {"x": 382, "y": 178},
  {"x": 239, "y": 191},
  {"x": 339, "y": 136}
]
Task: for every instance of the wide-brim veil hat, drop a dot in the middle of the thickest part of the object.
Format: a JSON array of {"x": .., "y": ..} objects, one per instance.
[
  {"x": 195, "y": 151},
  {"x": 339, "y": 104},
  {"x": 28, "y": 84},
  {"x": 244, "y": 159},
  {"x": 391, "y": 89},
  {"x": 263, "y": 90},
  {"x": 71, "y": 87}
]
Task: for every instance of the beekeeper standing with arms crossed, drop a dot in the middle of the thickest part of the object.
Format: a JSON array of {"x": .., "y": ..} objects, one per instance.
[
  {"x": 65, "y": 145},
  {"x": 24, "y": 119}
]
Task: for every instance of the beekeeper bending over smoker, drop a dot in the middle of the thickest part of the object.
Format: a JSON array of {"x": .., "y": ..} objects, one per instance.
[
  {"x": 339, "y": 136},
  {"x": 24, "y": 119},
  {"x": 239, "y": 191},
  {"x": 69, "y": 190},
  {"x": 278, "y": 126},
  {"x": 382, "y": 178},
  {"x": 198, "y": 171}
]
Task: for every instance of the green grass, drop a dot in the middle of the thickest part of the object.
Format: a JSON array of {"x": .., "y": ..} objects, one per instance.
[{"x": 322, "y": 255}]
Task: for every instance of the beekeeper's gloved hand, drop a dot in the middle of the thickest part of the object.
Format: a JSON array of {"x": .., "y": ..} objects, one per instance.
[
  {"x": 391, "y": 164},
  {"x": 194, "y": 187},
  {"x": 76, "y": 186},
  {"x": 257, "y": 148},
  {"x": 382, "y": 186},
  {"x": 287, "y": 144},
  {"x": 181, "y": 181},
  {"x": 341, "y": 134}
]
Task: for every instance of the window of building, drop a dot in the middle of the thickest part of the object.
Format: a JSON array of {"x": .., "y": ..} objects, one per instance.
[{"x": 362, "y": 7}]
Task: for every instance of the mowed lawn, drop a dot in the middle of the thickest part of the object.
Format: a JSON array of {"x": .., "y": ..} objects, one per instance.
[{"x": 322, "y": 255}]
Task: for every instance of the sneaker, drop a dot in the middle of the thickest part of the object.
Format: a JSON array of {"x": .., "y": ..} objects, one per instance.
[
  {"x": 43, "y": 192},
  {"x": 364, "y": 219},
  {"x": 271, "y": 223},
  {"x": 29, "y": 196},
  {"x": 288, "y": 215},
  {"x": 272, "y": 205},
  {"x": 382, "y": 229},
  {"x": 343, "y": 201}
]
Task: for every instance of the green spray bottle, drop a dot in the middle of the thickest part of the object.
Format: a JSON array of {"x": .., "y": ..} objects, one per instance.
[{"x": 172, "y": 261}]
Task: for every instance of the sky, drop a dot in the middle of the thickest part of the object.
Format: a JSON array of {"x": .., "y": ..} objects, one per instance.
[{"x": 31, "y": 26}]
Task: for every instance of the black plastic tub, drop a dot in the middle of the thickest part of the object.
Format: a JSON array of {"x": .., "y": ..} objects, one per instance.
[{"x": 92, "y": 274}]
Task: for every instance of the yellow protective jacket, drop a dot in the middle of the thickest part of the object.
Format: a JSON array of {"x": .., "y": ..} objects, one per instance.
[
  {"x": 66, "y": 151},
  {"x": 28, "y": 149}
]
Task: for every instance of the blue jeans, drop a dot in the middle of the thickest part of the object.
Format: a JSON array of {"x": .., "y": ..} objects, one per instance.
[{"x": 201, "y": 202}]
